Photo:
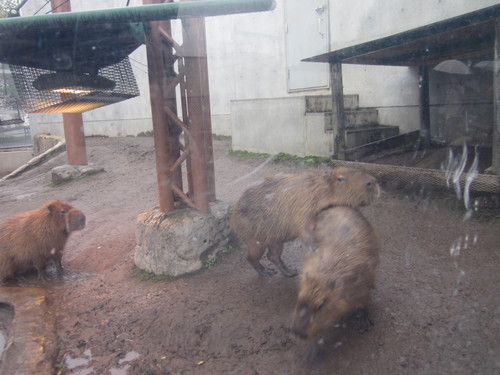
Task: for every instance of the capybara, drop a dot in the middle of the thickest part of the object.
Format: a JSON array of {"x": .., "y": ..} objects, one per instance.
[
  {"x": 275, "y": 211},
  {"x": 338, "y": 275},
  {"x": 33, "y": 239}
]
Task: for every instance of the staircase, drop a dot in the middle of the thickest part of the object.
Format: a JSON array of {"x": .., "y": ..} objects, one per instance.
[{"x": 362, "y": 125}]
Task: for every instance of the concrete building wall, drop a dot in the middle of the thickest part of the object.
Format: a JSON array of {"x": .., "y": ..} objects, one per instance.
[{"x": 247, "y": 61}]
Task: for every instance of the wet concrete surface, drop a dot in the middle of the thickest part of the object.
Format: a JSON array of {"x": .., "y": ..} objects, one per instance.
[{"x": 30, "y": 336}]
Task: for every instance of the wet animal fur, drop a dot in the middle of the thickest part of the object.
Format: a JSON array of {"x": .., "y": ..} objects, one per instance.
[
  {"x": 338, "y": 275},
  {"x": 274, "y": 212},
  {"x": 33, "y": 239}
]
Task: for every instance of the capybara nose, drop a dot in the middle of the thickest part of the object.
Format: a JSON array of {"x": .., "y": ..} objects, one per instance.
[{"x": 81, "y": 222}]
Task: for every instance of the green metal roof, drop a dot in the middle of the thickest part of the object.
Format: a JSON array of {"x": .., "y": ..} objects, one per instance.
[{"x": 90, "y": 40}]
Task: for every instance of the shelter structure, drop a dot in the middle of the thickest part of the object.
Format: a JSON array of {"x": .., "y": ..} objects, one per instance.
[
  {"x": 78, "y": 45},
  {"x": 472, "y": 37}
]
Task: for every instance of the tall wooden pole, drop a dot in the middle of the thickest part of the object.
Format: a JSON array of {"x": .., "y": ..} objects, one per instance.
[
  {"x": 76, "y": 150},
  {"x": 199, "y": 118},
  {"x": 163, "y": 140}
]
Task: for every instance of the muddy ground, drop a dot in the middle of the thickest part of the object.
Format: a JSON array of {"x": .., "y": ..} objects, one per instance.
[{"x": 433, "y": 312}]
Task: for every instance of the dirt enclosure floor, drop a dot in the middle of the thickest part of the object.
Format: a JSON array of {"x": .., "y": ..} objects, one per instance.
[{"x": 436, "y": 308}]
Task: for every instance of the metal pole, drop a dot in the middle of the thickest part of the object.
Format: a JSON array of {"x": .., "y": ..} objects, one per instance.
[
  {"x": 76, "y": 151},
  {"x": 495, "y": 160},
  {"x": 425, "y": 117}
]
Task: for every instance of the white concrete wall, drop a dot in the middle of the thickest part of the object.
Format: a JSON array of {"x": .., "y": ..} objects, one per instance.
[
  {"x": 126, "y": 118},
  {"x": 247, "y": 60},
  {"x": 11, "y": 160}
]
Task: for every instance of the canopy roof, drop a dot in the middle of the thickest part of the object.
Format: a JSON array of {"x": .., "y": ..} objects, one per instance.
[{"x": 471, "y": 35}]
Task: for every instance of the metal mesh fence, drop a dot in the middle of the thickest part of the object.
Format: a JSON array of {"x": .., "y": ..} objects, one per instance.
[{"x": 75, "y": 93}]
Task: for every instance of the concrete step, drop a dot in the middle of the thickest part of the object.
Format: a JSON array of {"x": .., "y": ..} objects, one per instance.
[
  {"x": 323, "y": 103},
  {"x": 358, "y": 118},
  {"x": 368, "y": 134},
  {"x": 361, "y": 117}
]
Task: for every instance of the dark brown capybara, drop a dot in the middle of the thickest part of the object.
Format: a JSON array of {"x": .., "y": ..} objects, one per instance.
[
  {"x": 33, "y": 239},
  {"x": 338, "y": 275},
  {"x": 274, "y": 212}
]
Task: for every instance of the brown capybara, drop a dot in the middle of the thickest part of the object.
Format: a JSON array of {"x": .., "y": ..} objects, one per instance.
[
  {"x": 274, "y": 212},
  {"x": 338, "y": 275},
  {"x": 33, "y": 239}
]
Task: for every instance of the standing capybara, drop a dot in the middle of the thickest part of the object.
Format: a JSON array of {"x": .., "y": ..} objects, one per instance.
[
  {"x": 337, "y": 277},
  {"x": 274, "y": 212},
  {"x": 32, "y": 239}
]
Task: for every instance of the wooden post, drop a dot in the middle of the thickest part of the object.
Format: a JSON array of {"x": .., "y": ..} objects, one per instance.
[
  {"x": 338, "y": 116},
  {"x": 425, "y": 117},
  {"x": 76, "y": 150},
  {"x": 199, "y": 117},
  {"x": 495, "y": 162},
  {"x": 162, "y": 139}
]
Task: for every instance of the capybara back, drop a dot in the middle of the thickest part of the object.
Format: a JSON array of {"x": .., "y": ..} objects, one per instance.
[
  {"x": 275, "y": 211},
  {"x": 338, "y": 275},
  {"x": 32, "y": 239}
]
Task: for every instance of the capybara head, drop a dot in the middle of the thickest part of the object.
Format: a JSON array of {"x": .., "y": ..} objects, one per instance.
[
  {"x": 62, "y": 212},
  {"x": 319, "y": 306},
  {"x": 351, "y": 187}
]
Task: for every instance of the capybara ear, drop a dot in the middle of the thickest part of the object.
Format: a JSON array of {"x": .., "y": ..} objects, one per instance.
[{"x": 51, "y": 208}]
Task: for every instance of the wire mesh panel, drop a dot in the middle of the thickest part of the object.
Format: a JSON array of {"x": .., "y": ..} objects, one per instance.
[
  {"x": 46, "y": 91},
  {"x": 10, "y": 108}
]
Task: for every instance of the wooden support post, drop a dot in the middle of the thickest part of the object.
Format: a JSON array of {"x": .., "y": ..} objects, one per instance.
[
  {"x": 199, "y": 117},
  {"x": 338, "y": 116},
  {"x": 425, "y": 117},
  {"x": 495, "y": 162},
  {"x": 76, "y": 150},
  {"x": 162, "y": 139},
  {"x": 74, "y": 133}
]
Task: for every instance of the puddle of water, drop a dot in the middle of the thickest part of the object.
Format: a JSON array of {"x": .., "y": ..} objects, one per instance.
[
  {"x": 2, "y": 343},
  {"x": 6, "y": 316},
  {"x": 73, "y": 363},
  {"x": 130, "y": 356}
]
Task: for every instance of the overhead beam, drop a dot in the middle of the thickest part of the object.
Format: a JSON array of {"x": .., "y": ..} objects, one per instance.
[{"x": 144, "y": 13}]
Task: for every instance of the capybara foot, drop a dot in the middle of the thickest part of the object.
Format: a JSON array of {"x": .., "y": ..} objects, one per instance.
[
  {"x": 275, "y": 256},
  {"x": 263, "y": 271},
  {"x": 360, "y": 320},
  {"x": 287, "y": 271},
  {"x": 282, "y": 267}
]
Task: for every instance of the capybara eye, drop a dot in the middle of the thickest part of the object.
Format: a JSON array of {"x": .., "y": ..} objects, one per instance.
[
  {"x": 321, "y": 304},
  {"x": 62, "y": 212},
  {"x": 341, "y": 179},
  {"x": 369, "y": 184}
]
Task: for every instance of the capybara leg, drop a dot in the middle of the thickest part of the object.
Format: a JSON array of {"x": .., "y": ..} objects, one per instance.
[
  {"x": 42, "y": 275},
  {"x": 253, "y": 256},
  {"x": 58, "y": 264},
  {"x": 274, "y": 255},
  {"x": 360, "y": 320}
]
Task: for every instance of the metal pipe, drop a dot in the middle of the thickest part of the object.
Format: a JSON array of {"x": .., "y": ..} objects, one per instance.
[{"x": 143, "y": 13}]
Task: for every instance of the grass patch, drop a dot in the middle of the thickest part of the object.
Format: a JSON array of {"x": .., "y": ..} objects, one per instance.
[
  {"x": 307, "y": 160},
  {"x": 212, "y": 261},
  {"x": 141, "y": 275},
  {"x": 221, "y": 137}
]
